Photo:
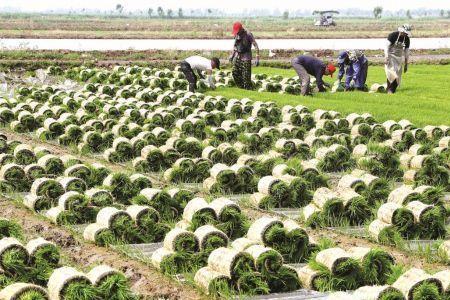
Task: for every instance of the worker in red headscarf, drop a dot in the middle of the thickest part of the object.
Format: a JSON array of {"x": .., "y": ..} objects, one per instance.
[{"x": 241, "y": 56}]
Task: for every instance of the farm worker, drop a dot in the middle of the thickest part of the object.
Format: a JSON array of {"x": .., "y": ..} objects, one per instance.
[
  {"x": 354, "y": 64},
  {"x": 397, "y": 49},
  {"x": 241, "y": 56},
  {"x": 199, "y": 64},
  {"x": 306, "y": 65}
]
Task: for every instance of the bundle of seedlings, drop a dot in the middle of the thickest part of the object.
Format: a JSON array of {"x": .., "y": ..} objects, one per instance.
[
  {"x": 384, "y": 233},
  {"x": 401, "y": 218},
  {"x": 333, "y": 158},
  {"x": 101, "y": 235},
  {"x": 181, "y": 196},
  {"x": 154, "y": 157},
  {"x": 308, "y": 170},
  {"x": 246, "y": 179},
  {"x": 430, "y": 194},
  {"x": 72, "y": 184},
  {"x": 24, "y": 155},
  {"x": 68, "y": 283},
  {"x": 287, "y": 237},
  {"x": 331, "y": 207},
  {"x": 120, "y": 186},
  {"x": 230, "y": 218},
  {"x": 52, "y": 164},
  {"x": 13, "y": 178},
  {"x": 10, "y": 228},
  {"x": 188, "y": 170},
  {"x": 337, "y": 270},
  {"x": 44, "y": 258},
  {"x": 378, "y": 160},
  {"x": 82, "y": 172},
  {"x": 378, "y": 292},
  {"x": 229, "y": 154},
  {"x": 222, "y": 179},
  {"x": 14, "y": 259},
  {"x": 98, "y": 173},
  {"x": 120, "y": 223},
  {"x": 176, "y": 255},
  {"x": 402, "y": 139},
  {"x": 265, "y": 163},
  {"x": 292, "y": 147},
  {"x": 212, "y": 282},
  {"x": 198, "y": 212},
  {"x": 23, "y": 291},
  {"x": 376, "y": 189},
  {"x": 417, "y": 284},
  {"x": 77, "y": 203},
  {"x": 300, "y": 193},
  {"x": 240, "y": 267},
  {"x": 403, "y": 195},
  {"x": 168, "y": 208},
  {"x": 99, "y": 197},
  {"x": 427, "y": 170},
  {"x": 47, "y": 188},
  {"x": 147, "y": 220},
  {"x": 430, "y": 220},
  {"x": 356, "y": 207},
  {"x": 210, "y": 238},
  {"x": 376, "y": 264},
  {"x": 277, "y": 189},
  {"x": 110, "y": 283}
]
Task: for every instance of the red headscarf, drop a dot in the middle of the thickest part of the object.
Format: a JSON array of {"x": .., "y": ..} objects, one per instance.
[{"x": 237, "y": 26}]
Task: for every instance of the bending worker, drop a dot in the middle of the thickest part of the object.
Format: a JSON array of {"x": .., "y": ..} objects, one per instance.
[
  {"x": 354, "y": 64},
  {"x": 306, "y": 65},
  {"x": 397, "y": 48},
  {"x": 199, "y": 64},
  {"x": 241, "y": 56}
]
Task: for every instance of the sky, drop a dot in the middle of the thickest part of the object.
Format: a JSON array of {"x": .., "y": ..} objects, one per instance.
[{"x": 228, "y": 5}]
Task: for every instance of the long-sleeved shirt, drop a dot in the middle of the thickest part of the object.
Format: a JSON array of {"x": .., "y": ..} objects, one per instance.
[
  {"x": 395, "y": 38},
  {"x": 250, "y": 41},
  {"x": 351, "y": 67},
  {"x": 199, "y": 64},
  {"x": 314, "y": 67}
]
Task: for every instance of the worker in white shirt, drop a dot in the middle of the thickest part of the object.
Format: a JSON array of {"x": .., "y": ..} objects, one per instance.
[{"x": 199, "y": 64}]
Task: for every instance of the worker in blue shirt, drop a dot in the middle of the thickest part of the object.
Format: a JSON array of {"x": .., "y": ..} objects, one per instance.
[{"x": 354, "y": 65}]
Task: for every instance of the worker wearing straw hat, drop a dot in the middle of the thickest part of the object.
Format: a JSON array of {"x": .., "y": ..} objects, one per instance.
[
  {"x": 354, "y": 65},
  {"x": 305, "y": 66},
  {"x": 396, "y": 50},
  {"x": 241, "y": 56}
]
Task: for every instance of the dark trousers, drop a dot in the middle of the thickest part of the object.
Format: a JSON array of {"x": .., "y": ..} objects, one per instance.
[
  {"x": 303, "y": 75},
  {"x": 392, "y": 86},
  {"x": 242, "y": 73},
  {"x": 189, "y": 74}
]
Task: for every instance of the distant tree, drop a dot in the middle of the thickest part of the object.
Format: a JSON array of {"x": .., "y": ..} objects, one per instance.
[
  {"x": 442, "y": 13},
  {"x": 408, "y": 14},
  {"x": 119, "y": 8},
  {"x": 160, "y": 11},
  {"x": 286, "y": 15},
  {"x": 169, "y": 13},
  {"x": 180, "y": 13},
  {"x": 150, "y": 12},
  {"x": 448, "y": 14},
  {"x": 377, "y": 11},
  {"x": 209, "y": 12}
]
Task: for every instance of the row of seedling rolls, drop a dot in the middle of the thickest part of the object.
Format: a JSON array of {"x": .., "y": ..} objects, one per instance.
[{"x": 33, "y": 270}]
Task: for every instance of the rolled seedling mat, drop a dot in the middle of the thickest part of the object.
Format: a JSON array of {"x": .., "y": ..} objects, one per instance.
[
  {"x": 34, "y": 171},
  {"x": 60, "y": 216},
  {"x": 412, "y": 280},
  {"x": 37, "y": 203},
  {"x": 444, "y": 248},
  {"x": 378, "y": 292},
  {"x": 241, "y": 244},
  {"x": 212, "y": 282},
  {"x": 21, "y": 290},
  {"x": 12, "y": 172},
  {"x": 420, "y": 161},
  {"x": 110, "y": 283},
  {"x": 13, "y": 257},
  {"x": 52, "y": 164},
  {"x": 80, "y": 171},
  {"x": 430, "y": 218},
  {"x": 329, "y": 203},
  {"x": 382, "y": 232},
  {"x": 223, "y": 175},
  {"x": 210, "y": 238},
  {"x": 444, "y": 277},
  {"x": 334, "y": 259},
  {"x": 99, "y": 234},
  {"x": 73, "y": 201},
  {"x": 212, "y": 154},
  {"x": 142, "y": 215},
  {"x": 230, "y": 218},
  {"x": 401, "y": 218},
  {"x": 107, "y": 215},
  {"x": 431, "y": 195},
  {"x": 267, "y": 260},
  {"x": 73, "y": 184},
  {"x": 279, "y": 170},
  {"x": 198, "y": 213},
  {"x": 259, "y": 228},
  {"x": 230, "y": 262},
  {"x": 61, "y": 280},
  {"x": 183, "y": 224},
  {"x": 308, "y": 277},
  {"x": 356, "y": 207},
  {"x": 274, "y": 187},
  {"x": 360, "y": 150},
  {"x": 353, "y": 182},
  {"x": 418, "y": 209},
  {"x": 376, "y": 264},
  {"x": 24, "y": 154},
  {"x": 43, "y": 251},
  {"x": 180, "y": 240},
  {"x": 99, "y": 197},
  {"x": 402, "y": 195},
  {"x": 170, "y": 262},
  {"x": 312, "y": 215},
  {"x": 263, "y": 201}
]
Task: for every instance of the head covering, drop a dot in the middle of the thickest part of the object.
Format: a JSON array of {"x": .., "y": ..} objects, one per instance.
[
  {"x": 237, "y": 26},
  {"x": 331, "y": 68},
  {"x": 342, "y": 57},
  {"x": 216, "y": 62},
  {"x": 406, "y": 28}
]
